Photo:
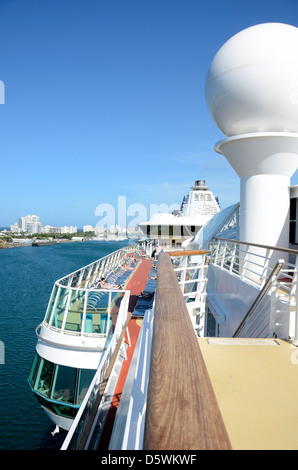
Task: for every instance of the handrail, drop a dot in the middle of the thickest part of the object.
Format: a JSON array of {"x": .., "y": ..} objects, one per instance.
[
  {"x": 187, "y": 253},
  {"x": 268, "y": 247},
  {"x": 261, "y": 294},
  {"x": 128, "y": 249},
  {"x": 182, "y": 411}
]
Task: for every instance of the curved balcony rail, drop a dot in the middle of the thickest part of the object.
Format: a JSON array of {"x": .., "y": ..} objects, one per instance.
[{"x": 79, "y": 305}]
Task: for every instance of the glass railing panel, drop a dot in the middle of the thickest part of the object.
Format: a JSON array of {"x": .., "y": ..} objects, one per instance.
[
  {"x": 59, "y": 310},
  {"x": 97, "y": 312},
  {"x": 75, "y": 279},
  {"x": 116, "y": 299},
  {"x": 64, "y": 281},
  {"x": 51, "y": 304},
  {"x": 75, "y": 311},
  {"x": 86, "y": 275}
]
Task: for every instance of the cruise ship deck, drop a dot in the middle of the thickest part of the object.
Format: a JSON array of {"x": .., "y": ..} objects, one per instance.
[{"x": 255, "y": 382}]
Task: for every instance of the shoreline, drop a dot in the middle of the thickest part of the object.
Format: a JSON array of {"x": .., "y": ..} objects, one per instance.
[{"x": 23, "y": 245}]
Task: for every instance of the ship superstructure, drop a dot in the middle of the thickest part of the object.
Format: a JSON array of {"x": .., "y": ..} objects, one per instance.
[{"x": 181, "y": 226}]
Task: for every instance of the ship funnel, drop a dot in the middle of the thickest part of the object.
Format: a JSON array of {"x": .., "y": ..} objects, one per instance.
[{"x": 200, "y": 184}]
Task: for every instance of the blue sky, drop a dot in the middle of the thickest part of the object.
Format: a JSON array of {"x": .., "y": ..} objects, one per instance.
[{"x": 105, "y": 98}]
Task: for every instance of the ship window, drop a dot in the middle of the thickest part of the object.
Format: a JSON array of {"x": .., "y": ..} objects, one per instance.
[
  {"x": 64, "y": 384},
  {"x": 59, "y": 383},
  {"x": 44, "y": 377},
  {"x": 211, "y": 324},
  {"x": 84, "y": 380},
  {"x": 33, "y": 370}
]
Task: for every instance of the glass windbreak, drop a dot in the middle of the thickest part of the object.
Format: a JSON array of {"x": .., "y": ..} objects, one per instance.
[
  {"x": 75, "y": 279},
  {"x": 116, "y": 299},
  {"x": 75, "y": 311},
  {"x": 51, "y": 304},
  {"x": 97, "y": 312},
  {"x": 59, "y": 310}
]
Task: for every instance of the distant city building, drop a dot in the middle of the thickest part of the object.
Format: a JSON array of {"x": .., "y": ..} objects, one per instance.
[
  {"x": 29, "y": 224},
  {"x": 100, "y": 230},
  {"x": 15, "y": 228},
  {"x": 117, "y": 229},
  {"x": 68, "y": 229},
  {"x": 88, "y": 228},
  {"x": 33, "y": 227},
  {"x": 49, "y": 229}
]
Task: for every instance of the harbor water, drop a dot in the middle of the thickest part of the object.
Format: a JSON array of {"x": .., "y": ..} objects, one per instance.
[{"x": 27, "y": 275}]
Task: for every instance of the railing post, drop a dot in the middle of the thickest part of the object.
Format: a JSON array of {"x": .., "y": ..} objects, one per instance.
[
  {"x": 273, "y": 300},
  {"x": 183, "y": 274},
  {"x": 233, "y": 258},
  {"x": 224, "y": 254}
]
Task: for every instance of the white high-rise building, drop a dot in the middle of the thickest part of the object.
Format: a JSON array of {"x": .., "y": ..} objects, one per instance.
[
  {"x": 15, "y": 228},
  {"x": 30, "y": 224},
  {"x": 49, "y": 229}
]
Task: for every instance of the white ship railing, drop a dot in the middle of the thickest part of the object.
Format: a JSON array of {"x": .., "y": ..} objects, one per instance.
[
  {"x": 259, "y": 265},
  {"x": 87, "y": 275},
  {"x": 191, "y": 267}
]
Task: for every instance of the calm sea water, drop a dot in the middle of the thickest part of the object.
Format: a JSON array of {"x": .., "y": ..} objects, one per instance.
[{"x": 27, "y": 275}]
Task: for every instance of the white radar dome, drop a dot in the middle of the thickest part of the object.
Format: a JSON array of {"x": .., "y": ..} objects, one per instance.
[{"x": 252, "y": 82}]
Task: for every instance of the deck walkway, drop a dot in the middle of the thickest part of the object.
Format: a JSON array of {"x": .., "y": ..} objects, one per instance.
[
  {"x": 255, "y": 382},
  {"x": 136, "y": 285}
]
